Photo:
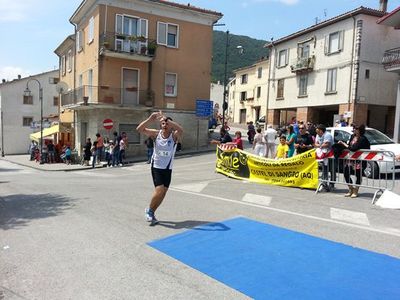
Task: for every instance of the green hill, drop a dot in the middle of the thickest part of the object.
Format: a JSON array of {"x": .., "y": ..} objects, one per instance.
[{"x": 253, "y": 51}]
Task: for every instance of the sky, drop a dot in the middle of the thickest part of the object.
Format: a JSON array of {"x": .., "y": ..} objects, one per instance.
[{"x": 30, "y": 30}]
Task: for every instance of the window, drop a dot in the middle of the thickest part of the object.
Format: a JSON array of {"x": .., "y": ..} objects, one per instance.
[
  {"x": 258, "y": 91},
  {"x": 79, "y": 39},
  {"x": 130, "y": 26},
  {"x": 132, "y": 134},
  {"x": 170, "y": 84},
  {"x": 69, "y": 61},
  {"x": 331, "y": 81},
  {"x": 27, "y": 121},
  {"x": 167, "y": 34},
  {"x": 63, "y": 65},
  {"x": 303, "y": 85},
  {"x": 281, "y": 83},
  {"x": 283, "y": 58},
  {"x": 243, "y": 96},
  {"x": 367, "y": 74},
  {"x": 55, "y": 101},
  {"x": 28, "y": 99},
  {"x": 259, "y": 72},
  {"x": 243, "y": 79},
  {"x": 304, "y": 51},
  {"x": 334, "y": 42},
  {"x": 91, "y": 30}
]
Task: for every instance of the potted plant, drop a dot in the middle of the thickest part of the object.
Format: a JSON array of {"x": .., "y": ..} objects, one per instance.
[{"x": 151, "y": 48}]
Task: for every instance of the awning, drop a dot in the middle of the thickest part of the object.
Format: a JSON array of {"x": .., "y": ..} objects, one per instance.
[{"x": 46, "y": 132}]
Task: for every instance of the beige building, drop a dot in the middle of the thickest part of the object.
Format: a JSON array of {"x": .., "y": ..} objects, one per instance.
[
  {"x": 129, "y": 58},
  {"x": 333, "y": 70},
  {"x": 391, "y": 63},
  {"x": 248, "y": 93}
]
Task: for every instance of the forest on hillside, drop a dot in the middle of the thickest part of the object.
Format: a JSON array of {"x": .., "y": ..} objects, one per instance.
[{"x": 253, "y": 50}]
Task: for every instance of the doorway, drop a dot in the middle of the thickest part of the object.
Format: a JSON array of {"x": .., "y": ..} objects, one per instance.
[{"x": 130, "y": 85}]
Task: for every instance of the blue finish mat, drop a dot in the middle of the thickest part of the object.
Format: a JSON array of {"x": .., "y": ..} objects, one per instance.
[{"x": 267, "y": 262}]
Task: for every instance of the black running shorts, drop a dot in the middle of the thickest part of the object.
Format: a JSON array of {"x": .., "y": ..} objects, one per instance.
[{"x": 161, "y": 176}]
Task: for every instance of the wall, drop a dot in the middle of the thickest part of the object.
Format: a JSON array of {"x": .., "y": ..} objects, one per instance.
[{"x": 16, "y": 136}]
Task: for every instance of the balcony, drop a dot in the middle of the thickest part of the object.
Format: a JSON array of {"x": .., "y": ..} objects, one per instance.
[
  {"x": 127, "y": 46},
  {"x": 107, "y": 96},
  {"x": 303, "y": 64},
  {"x": 391, "y": 60}
]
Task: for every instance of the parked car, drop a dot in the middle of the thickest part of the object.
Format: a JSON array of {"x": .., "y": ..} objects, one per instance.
[
  {"x": 378, "y": 141},
  {"x": 260, "y": 122}
]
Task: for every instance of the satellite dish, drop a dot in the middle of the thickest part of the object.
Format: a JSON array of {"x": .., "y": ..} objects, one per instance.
[{"x": 61, "y": 87}]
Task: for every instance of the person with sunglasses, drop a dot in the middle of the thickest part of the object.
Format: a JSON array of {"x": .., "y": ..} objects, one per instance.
[{"x": 305, "y": 141}]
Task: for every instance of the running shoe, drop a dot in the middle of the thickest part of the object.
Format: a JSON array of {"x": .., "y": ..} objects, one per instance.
[{"x": 149, "y": 214}]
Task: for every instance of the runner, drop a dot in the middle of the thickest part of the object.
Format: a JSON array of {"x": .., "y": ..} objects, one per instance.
[{"x": 165, "y": 141}]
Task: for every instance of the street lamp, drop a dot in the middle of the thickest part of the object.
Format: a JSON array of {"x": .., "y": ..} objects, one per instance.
[{"x": 27, "y": 93}]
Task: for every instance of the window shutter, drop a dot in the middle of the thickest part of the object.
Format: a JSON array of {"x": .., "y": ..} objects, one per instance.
[
  {"x": 326, "y": 48},
  {"x": 341, "y": 40},
  {"x": 287, "y": 57}
]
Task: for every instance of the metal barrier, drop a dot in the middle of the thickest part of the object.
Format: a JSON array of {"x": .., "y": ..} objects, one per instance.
[{"x": 372, "y": 170}]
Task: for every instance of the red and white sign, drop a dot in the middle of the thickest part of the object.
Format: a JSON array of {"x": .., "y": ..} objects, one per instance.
[{"x": 108, "y": 124}]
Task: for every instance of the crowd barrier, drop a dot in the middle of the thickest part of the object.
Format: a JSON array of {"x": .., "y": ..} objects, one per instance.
[{"x": 374, "y": 169}]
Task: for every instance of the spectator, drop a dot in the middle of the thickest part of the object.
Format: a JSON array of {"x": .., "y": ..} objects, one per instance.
[
  {"x": 238, "y": 140},
  {"x": 224, "y": 137},
  {"x": 323, "y": 143},
  {"x": 51, "y": 150},
  {"x": 68, "y": 155},
  {"x": 87, "y": 152},
  {"x": 259, "y": 143},
  {"x": 291, "y": 140},
  {"x": 150, "y": 148},
  {"x": 93, "y": 151},
  {"x": 99, "y": 147},
  {"x": 270, "y": 136},
  {"x": 283, "y": 148},
  {"x": 304, "y": 141}
]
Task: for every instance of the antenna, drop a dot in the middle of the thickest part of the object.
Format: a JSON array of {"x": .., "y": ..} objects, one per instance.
[
  {"x": 325, "y": 12},
  {"x": 61, "y": 87}
]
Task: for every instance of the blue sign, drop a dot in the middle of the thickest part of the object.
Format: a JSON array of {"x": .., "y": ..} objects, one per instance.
[{"x": 204, "y": 108}]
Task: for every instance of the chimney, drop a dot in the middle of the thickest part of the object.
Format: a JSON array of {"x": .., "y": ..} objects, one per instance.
[
  {"x": 3, "y": 80},
  {"x": 19, "y": 77},
  {"x": 383, "y": 5}
]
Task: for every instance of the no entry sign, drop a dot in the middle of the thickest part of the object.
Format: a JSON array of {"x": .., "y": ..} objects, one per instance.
[{"x": 108, "y": 124}]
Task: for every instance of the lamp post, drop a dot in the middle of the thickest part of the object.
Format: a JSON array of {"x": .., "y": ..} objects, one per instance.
[{"x": 27, "y": 92}]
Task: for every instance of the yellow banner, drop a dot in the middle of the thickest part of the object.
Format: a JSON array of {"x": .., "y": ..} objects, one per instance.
[{"x": 298, "y": 171}]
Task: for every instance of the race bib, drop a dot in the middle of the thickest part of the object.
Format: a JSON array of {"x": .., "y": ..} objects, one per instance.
[{"x": 164, "y": 153}]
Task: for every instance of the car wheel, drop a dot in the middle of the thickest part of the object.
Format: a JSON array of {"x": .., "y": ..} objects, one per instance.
[{"x": 371, "y": 170}]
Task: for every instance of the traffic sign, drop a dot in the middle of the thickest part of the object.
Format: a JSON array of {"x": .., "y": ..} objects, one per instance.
[
  {"x": 204, "y": 108},
  {"x": 108, "y": 124}
]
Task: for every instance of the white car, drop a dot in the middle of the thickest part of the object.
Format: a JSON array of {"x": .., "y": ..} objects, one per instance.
[{"x": 378, "y": 141}]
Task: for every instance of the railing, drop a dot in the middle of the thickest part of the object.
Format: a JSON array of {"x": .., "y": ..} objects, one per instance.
[
  {"x": 132, "y": 44},
  {"x": 302, "y": 64},
  {"x": 87, "y": 95},
  {"x": 391, "y": 59}
]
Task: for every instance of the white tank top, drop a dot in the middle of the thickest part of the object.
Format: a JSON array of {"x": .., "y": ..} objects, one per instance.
[{"x": 164, "y": 152}]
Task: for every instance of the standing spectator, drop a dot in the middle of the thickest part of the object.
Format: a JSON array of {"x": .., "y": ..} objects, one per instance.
[
  {"x": 259, "y": 143},
  {"x": 251, "y": 132},
  {"x": 93, "y": 150},
  {"x": 123, "y": 144},
  {"x": 87, "y": 153},
  {"x": 311, "y": 129},
  {"x": 238, "y": 140},
  {"x": 108, "y": 149},
  {"x": 283, "y": 148},
  {"x": 99, "y": 147},
  {"x": 51, "y": 150},
  {"x": 115, "y": 157},
  {"x": 68, "y": 155},
  {"x": 270, "y": 136},
  {"x": 305, "y": 141},
  {"x": 358, "y": 141},
  {"x": 32, "y": 148},
  {"x": 323, "y": 143},
  {"x": 150, "y": 148},
  {"x": 291, "y": 140}
]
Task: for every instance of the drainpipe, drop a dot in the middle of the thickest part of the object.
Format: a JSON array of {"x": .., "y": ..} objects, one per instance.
[
  {"x": 357, "y": 52},
  {"x": 269, "y": 80},
  {"x": 74, "y": 89}
]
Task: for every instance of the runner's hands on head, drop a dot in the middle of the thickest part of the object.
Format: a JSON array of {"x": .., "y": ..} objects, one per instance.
[{"x": 157, "y": 115}]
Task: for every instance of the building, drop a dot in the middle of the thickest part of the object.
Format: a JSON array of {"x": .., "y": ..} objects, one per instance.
[
  {"x": 21, "y": 113},
  {"x": 248, "y": 92},
  {"x": 391, "y": 63},
  {"x": 129, "y": 58},
  {"x": 333, "y": 70}
]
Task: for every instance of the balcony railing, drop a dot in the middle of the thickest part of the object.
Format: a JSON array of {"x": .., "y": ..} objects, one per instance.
[
  {"x": 303, "y": 64},
  {"x": 112, "y": 42},
  {"x": 106, "y": 95},
  {"x": 391, "y": 59}
]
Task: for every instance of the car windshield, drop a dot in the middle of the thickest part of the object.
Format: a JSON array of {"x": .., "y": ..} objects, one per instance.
[{"x": 375, "y": 137}]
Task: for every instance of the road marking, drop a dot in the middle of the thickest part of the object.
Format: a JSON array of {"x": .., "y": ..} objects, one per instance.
[
  {"x": 349, "y": 216},
  {"x": 195, "y": 187},
  {"x": 257, "y": 199},
  {"x": 392, "y": 232}
]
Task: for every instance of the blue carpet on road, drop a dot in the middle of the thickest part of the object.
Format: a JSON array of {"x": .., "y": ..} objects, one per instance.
[{"x": 267, "y": 262}]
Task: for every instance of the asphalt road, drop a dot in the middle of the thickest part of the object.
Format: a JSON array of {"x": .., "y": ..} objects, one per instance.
[{"x": 82, "y": 235}]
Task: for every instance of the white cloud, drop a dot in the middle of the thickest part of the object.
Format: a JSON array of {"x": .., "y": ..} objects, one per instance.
[{"x": 9, "y": 73}]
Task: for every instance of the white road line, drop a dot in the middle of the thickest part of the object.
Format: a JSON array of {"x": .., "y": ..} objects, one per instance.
[
  {"x": 349, "y": 216},
  {"x": 388, "y": 231},
  {"x": 257, "y": 199},
  {"x": 195, "y": 187}
]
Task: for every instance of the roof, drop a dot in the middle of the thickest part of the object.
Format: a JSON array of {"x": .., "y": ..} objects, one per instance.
[
  {"x": 391, "y": 19},
  {"x": 357, "y": 11},
  {"x": 251, "y": 66},
  {"x": 164, "y": 2},
  {"x": 28, "y": 77}
]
